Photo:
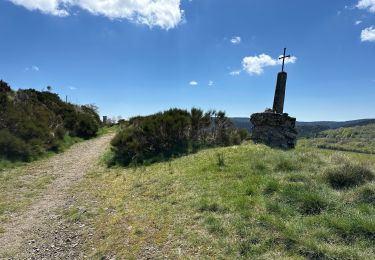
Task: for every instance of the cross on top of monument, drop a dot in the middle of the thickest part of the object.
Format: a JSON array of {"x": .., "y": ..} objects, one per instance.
[{"x": 283, "y": 58}]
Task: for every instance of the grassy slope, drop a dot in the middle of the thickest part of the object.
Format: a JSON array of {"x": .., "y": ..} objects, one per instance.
[
  {"x": 261, "y": 204},
  {"x": 357, "y": 139}
]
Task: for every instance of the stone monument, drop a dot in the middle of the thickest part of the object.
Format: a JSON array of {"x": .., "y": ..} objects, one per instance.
[{"x": 274, "y": 127}]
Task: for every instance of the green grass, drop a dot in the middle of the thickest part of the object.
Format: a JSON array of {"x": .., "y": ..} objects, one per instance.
[
  {"x": 237, "y": 202},
  {"x": 356, "y": 139},
  {"x": 18, "y": 190},
  {"x": 106, "y": 130},
  {"x": 66, "y": 143}
]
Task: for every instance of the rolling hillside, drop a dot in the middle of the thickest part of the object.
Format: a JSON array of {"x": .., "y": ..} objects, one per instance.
[
  {"x": 308, "y": 129},
  {"x": 356, "y": 139}
]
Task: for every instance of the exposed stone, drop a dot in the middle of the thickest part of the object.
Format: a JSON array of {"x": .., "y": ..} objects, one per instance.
[
  {"x": 275, "y": 130},
  {"x": 278, "y": 103}
]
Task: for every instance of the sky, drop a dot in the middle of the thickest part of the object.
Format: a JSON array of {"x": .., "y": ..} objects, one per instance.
[{"x": 138, "y": 57}]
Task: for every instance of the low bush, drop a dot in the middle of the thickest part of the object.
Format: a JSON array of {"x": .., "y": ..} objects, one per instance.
[
  {"x": 172, "y": 133},
  {"x": 348, "y": 174},
  {"x": 86, "y": 127},
  {"x": 13, "y": 148}
]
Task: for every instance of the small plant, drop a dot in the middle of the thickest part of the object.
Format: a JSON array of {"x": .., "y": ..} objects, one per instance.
[
  {"x": 207, "y": 206},
  {"x": 215, "y": 226},
  {"x": 348, "y": 175},
  {"x": 271, "y": 187},
  {"x": 285, "y": 165},
  {"x": 220, "y": 160},
  {"x": 367, "y": 195},
  {"x": 312, "y": 204}
]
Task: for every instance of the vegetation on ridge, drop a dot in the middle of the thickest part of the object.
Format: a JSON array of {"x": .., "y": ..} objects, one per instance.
[
  {"x": 33, "y": 123},
  {"x": 172, "y": 133}
]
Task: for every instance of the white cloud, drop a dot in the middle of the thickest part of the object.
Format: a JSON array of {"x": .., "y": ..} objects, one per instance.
[
  {"x": 254, "y": 65},
  {"x": 236, "y": 40},
  {"x": 53, "y": 7},
  {"x": 235, "y": 72},
  {"x": 368, "y": 34},
  {"x": 367, "y": 4},
  {"x": 162, "y": 13},
  {"x": 193, "y": 83},
  {"x": 358, "y": 22},
  {"x": 72, "y": 88},
  {"x": 210, "y": 83},
  {"x": 33, "y": 68}
]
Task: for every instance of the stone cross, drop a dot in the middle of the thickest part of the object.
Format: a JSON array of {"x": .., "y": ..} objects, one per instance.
[{"x": 278, "y": 102}]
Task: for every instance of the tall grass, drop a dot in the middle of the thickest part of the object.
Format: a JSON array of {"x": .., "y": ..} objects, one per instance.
[{"x": 250, "y": 202}]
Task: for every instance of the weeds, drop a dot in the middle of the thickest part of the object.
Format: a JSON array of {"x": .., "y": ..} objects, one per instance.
[
  {"x": 367, "y": 195},
  {"x": 349, "y": 174},
  {"x": 220, "y": 160}
]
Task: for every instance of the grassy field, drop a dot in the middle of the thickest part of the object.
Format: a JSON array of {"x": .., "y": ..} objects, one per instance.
[
  {"x": 357, "y": 139},
  {"x": 245, "y": 201}
]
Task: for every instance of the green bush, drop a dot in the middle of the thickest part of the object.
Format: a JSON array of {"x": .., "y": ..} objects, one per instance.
[
  {"x": 86, "y": 126},
  {"x": 174, "y": 132},
  {"x": 152, "y": 138},
  {"x": 348, "y": 174},
  {"x": 13, "y": 148},
  {"x": 38, "y": 121}
]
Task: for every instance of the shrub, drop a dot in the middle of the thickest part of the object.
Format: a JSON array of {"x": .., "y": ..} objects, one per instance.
[
  {"x": 86, "y": 126},
  {"x": 348, "y": 174},
  {"x": 37, "y": 122},
  {"x": 13, "y": 148},
  {"x": 174, "y": 132}
]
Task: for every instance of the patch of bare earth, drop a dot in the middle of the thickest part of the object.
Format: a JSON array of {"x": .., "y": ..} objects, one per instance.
[{"x": 41, "y": 232}]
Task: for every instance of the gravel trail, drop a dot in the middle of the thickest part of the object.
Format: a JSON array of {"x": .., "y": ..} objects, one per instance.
[{"x": 31, "y": 232}]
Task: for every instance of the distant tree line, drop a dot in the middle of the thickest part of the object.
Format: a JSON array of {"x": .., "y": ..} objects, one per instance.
[
  {"x": 172, "y": 133},
  {"x": 34, "y": 122}
]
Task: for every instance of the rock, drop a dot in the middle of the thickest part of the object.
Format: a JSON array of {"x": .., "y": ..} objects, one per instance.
[{"x": 274, "y": 129}]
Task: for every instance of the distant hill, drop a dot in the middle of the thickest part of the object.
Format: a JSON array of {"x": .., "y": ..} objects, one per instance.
[
  {"x": 355, "y": 139},
  {"x": 308, "y": 129}
]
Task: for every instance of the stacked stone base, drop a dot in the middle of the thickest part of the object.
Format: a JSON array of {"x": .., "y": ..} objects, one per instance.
[{"x": 275, "y": 130}]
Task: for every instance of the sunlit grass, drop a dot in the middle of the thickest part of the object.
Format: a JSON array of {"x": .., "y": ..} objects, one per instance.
[{"x": 244, "y": 201}]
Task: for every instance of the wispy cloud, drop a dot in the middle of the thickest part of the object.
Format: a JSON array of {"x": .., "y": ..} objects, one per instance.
[
  {"x": 193, "y": 83},
  {"x": 235, "y": 72},
  {"x": 72, "y": 88},
  {"x": 165, "y": 14},
  {"x": 368, "y": 34},
  {"x": 236, "y": 40},
  {"x": 254, "y": 65},
  {"x": 210, "y": 83},
  {"x": 33, "y": 68},
  {"x": 358, "y": 22}
]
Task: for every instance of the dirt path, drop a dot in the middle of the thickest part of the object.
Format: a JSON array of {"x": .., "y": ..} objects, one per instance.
[{"x": 25, "y": 231}]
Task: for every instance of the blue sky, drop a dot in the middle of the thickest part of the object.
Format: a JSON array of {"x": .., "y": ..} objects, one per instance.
[{"x": 140, "y": 57}]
